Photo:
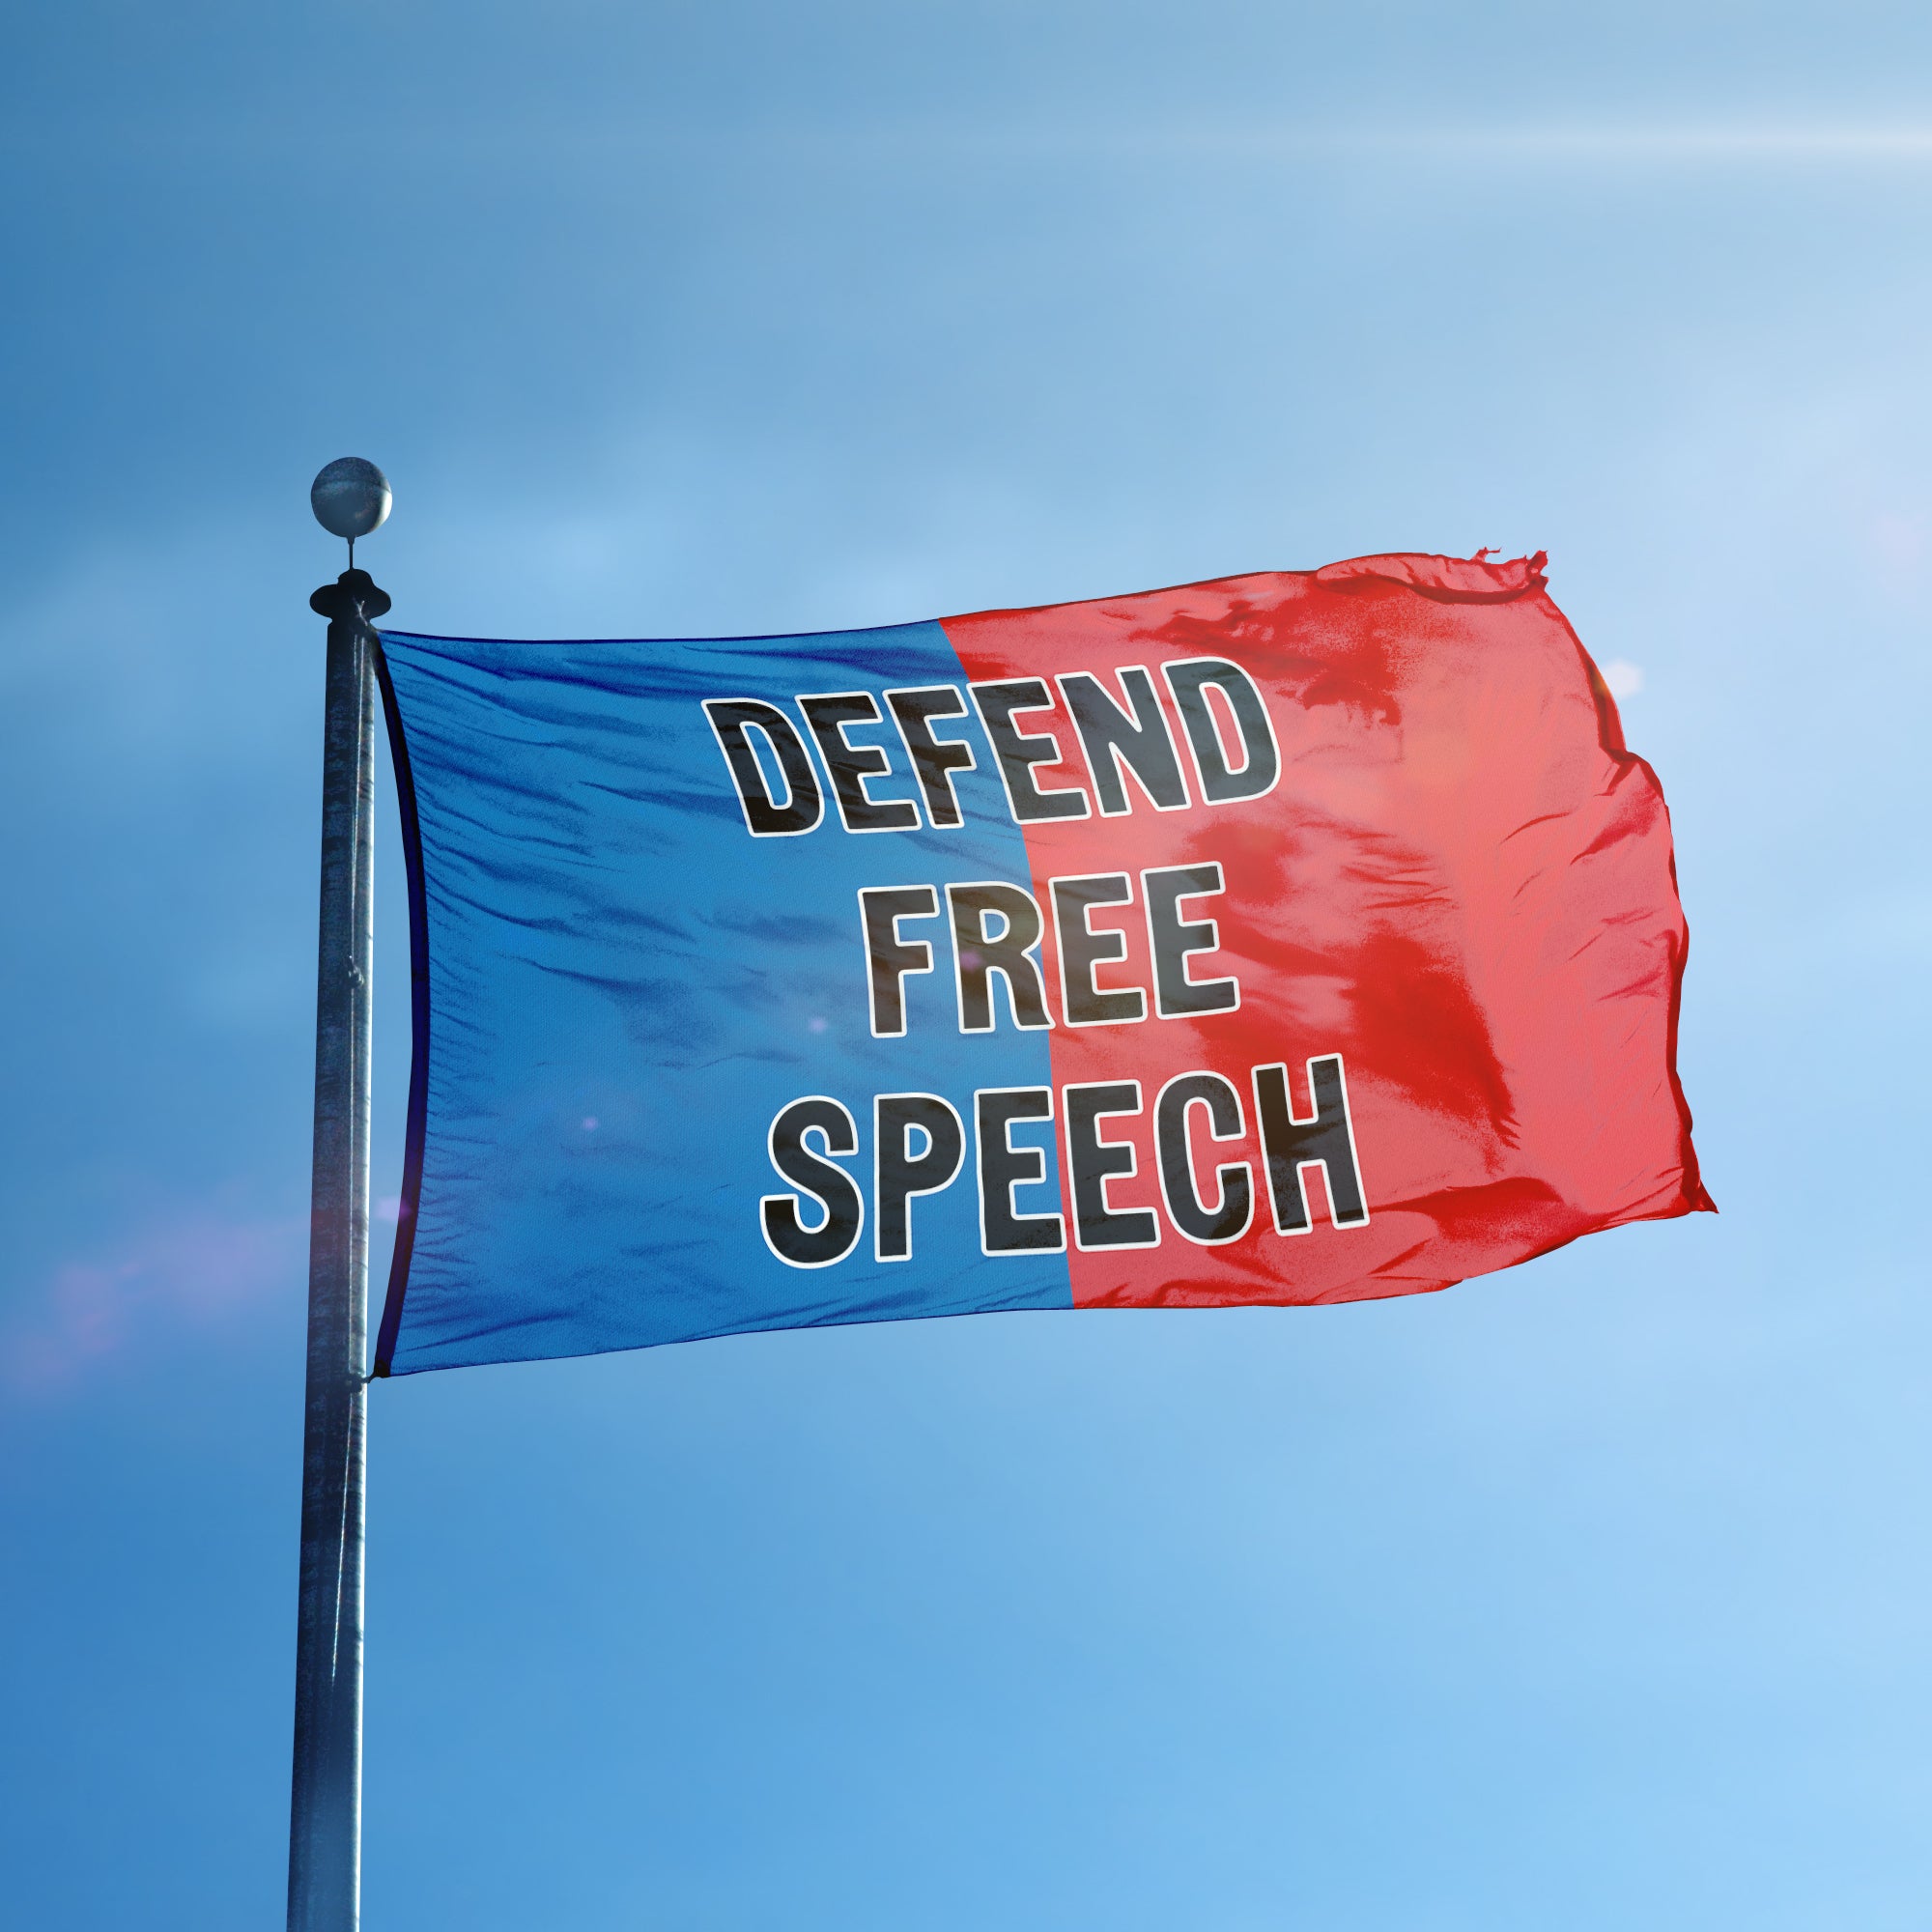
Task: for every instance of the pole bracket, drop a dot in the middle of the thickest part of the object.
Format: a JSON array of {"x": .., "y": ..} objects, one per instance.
[{"x": 353, "y": 598}]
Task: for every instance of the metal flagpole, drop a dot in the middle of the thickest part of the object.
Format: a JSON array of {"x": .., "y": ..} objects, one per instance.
[{"x": 351, "y": 497}]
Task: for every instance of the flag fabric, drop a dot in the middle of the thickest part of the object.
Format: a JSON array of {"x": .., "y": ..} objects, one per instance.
[{"x": 1299, "y": 937}]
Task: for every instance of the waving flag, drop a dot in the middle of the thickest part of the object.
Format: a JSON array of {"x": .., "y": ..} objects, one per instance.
[{"x": 1291, "y": 938}]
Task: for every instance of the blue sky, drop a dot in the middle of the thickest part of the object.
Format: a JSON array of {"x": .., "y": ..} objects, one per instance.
[{"x": 1591, "y": 1593}]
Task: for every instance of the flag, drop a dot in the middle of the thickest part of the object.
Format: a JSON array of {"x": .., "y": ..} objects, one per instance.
[{"x": 1291, "y": 938}]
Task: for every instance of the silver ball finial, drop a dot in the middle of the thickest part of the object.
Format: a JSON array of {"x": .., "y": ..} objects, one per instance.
[{"x": 349, "y": 498}]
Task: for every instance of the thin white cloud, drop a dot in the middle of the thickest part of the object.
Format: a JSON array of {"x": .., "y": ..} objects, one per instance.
[
  {"x": 1826, "y": 143},
  {"x": 536, "y": 142},
  {"x": 1640, "y": 143}
]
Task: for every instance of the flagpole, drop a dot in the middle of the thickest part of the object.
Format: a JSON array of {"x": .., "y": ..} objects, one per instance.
[{"x": 349, "y": 498}]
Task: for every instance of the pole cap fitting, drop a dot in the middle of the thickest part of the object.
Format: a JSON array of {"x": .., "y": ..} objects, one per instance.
[
  {"x": 353, "y": 598},
  {"x": 350, "y": 497}
]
